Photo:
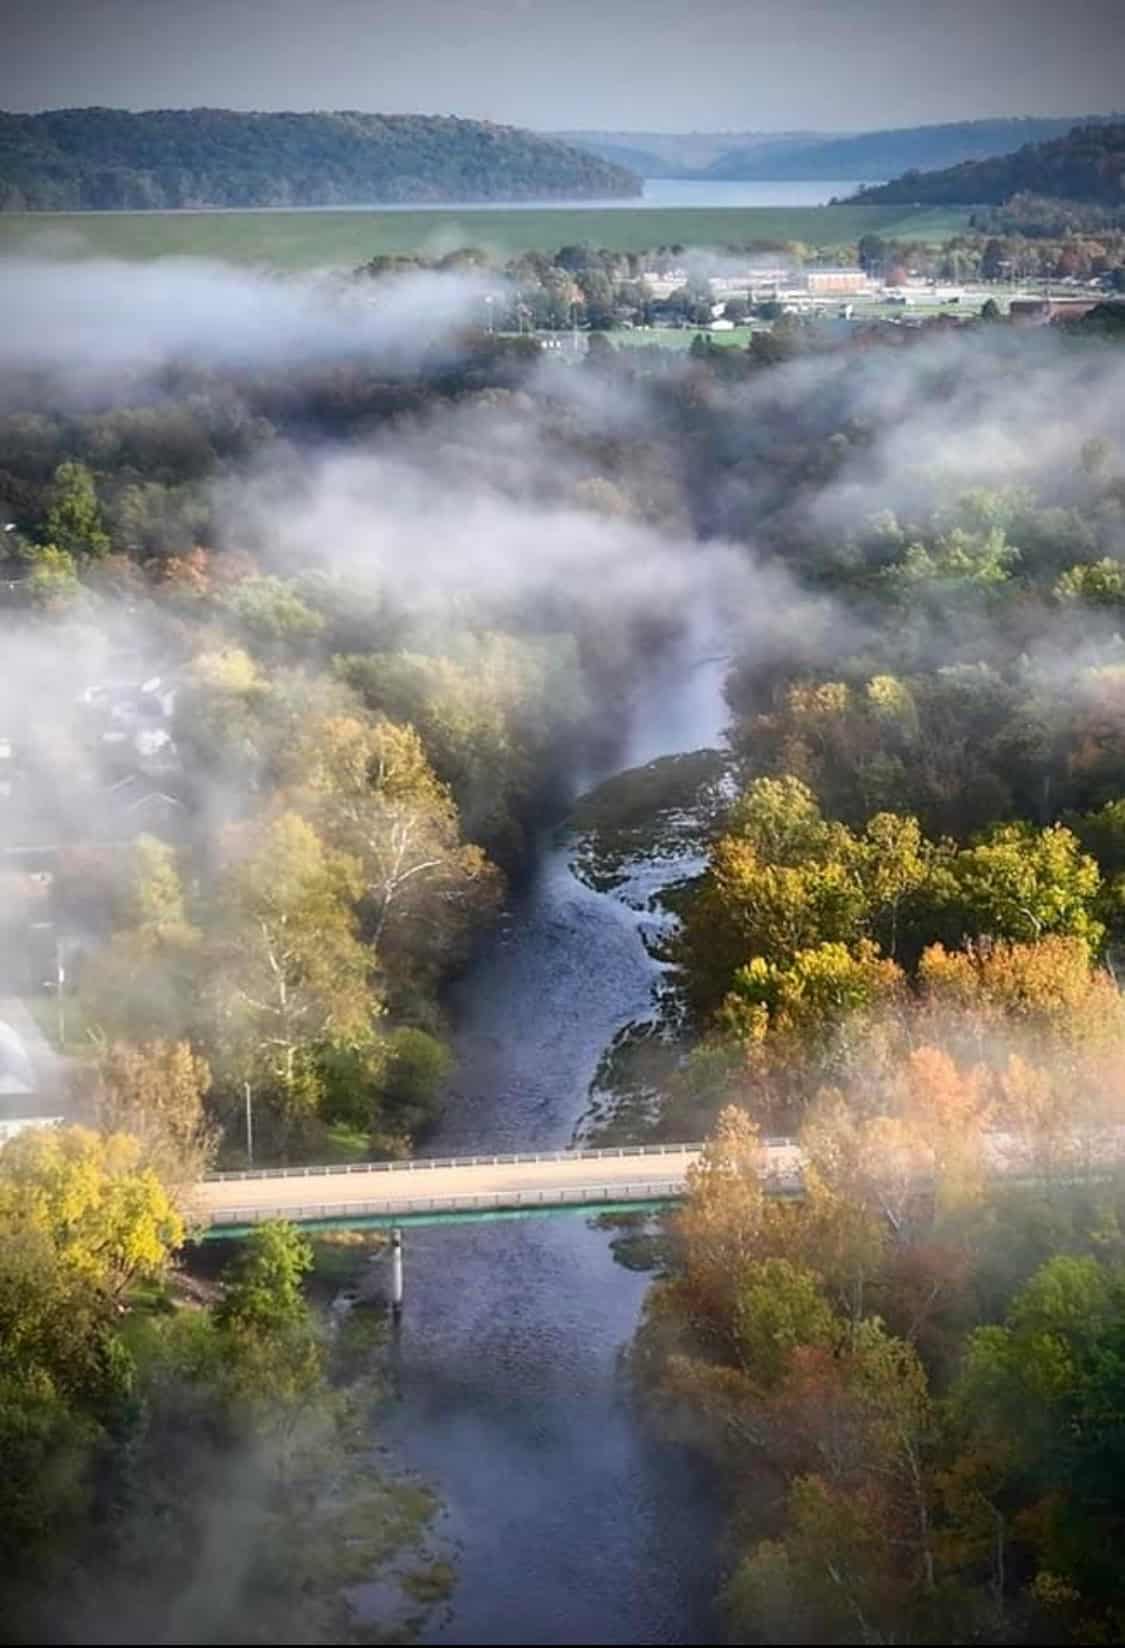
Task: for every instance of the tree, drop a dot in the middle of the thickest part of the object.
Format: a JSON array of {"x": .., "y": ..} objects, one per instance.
[
  {"x": 74, "y": 519},
  {"x": 811, "y": 996},
  {"x": 277, "y": 1361},
  {"x": 1100, "y": 584},
  {"x": 53, "y": 583},
  {"x": 154, "y": 1092},
  {"x": 1036, "y": 1412},
  {"x": 872, "y": 251},
  {"x": 779, "y": 920},
  {"x": 263, "y": 1290},
  {"x": 1017, "y": 882},
  {"x": 143, "y": 982},
  {"x": 109, "y": 1219},
  {"x": 722, "y": 1221},
  {"x": 289, "y": 971},
  {"x": 153, "y": 901},
  {"x": 369, "y": 786},
  {"x": 271, "y": 613}
]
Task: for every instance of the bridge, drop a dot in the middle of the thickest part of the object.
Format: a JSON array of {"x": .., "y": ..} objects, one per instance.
[{"x": 433, "y": 1190}]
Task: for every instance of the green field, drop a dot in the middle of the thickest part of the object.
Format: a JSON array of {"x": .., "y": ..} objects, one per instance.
[{"x": 311, "y": 240}]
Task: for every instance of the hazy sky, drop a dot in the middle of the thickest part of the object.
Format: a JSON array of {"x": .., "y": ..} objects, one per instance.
[{"x": 626, "y": 64}]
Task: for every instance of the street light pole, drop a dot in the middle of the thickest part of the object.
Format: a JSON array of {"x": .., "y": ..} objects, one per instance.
[{"x": 249, "y": 1124}]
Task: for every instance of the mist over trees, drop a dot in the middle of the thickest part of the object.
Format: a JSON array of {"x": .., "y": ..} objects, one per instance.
[{"x": 302, "y": 651}]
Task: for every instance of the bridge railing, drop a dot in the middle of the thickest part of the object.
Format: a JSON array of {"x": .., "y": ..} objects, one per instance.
[
  {"x": 481, "y": 1201},
  {"x": 420, "y": 1164},
  {"x": 646, "y": 1190}
]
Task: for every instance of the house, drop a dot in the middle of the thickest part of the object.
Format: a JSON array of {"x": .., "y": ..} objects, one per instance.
[
  {"x": 134, "y": 806},
  {"x": 22, "y": 1104},
  {"x": 833, "y": 282}
]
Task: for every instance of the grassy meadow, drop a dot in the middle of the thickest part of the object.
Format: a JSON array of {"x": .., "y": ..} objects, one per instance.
[{"x": 341, "y": 239}]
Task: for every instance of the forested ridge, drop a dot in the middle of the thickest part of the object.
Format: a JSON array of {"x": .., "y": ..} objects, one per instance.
[
  {"x": 1087, "y": 164},
  {"x": 872, "y": 155},
  {"x": 111, "y": 159}
]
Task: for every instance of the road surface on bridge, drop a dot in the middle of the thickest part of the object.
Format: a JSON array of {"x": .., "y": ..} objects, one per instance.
[{"x": 469, "y": 1184}]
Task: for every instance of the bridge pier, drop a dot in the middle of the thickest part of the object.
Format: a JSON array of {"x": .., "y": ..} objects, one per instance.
[{"x": 396, "y": 1275}]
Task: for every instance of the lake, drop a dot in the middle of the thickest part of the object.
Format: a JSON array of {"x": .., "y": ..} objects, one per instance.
[{"x": 676, "y": 191}]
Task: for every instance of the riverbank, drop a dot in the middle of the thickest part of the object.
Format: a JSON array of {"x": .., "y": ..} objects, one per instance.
[{"x": 568, "y": 1519}]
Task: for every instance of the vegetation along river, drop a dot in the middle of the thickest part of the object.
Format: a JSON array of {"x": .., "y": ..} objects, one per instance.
[{"x": 570, "y": 1523}]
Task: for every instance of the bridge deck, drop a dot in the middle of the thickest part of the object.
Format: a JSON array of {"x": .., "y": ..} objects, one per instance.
[{"x": 555, "y": 1179}]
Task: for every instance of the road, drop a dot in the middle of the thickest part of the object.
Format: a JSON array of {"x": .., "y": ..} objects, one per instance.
[{"x": 478, "y": 1183}]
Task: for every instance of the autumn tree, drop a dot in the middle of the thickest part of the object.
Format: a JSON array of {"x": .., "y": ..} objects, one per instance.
[
  {"x": 288, "y": 970},
  {"x": 370, "y": 788},
  {"x": 155, "y": 1093},
  {"x": 108, "y": 1218}
]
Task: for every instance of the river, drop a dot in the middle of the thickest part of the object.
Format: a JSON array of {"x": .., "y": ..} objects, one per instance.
[{"x": 569, "y": 1523}]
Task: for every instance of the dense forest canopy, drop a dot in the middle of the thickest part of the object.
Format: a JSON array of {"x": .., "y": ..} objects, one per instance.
[
  {"x": 109, "y": 159},
  {"x": 1087, "y": 164}
]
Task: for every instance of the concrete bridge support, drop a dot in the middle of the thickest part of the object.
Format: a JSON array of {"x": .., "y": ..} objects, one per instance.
[{"x": 396, "y": 1275}]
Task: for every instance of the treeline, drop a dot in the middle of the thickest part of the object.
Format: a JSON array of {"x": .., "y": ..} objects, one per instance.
[
  {"x": 903, "y": 953},
  {"x": 1085, "y": 165},
  {"x": 109, "y": 159},
  {"x": 178, "y": 1457}
]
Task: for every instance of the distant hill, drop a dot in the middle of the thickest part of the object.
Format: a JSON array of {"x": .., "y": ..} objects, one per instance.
[
  {"x": 683, "y": 154},
  {"x": 1086, "y": 164},
  {"x": 880, "y": 154},
  {"x": 101, "y": 159}
]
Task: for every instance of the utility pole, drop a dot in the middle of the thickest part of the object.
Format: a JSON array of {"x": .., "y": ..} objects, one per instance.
[{"x": 249, "y": 1124}]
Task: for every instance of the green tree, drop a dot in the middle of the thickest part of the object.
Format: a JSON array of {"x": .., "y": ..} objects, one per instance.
[
  {"x": 74, "y": 517},
  {"x": 264, "y": 1289},
  {"x": 271, "y": 614},
  {"x": 53, "y": 581},
  {"x": 1099, "y": 584},
  {"x": 1021, "y": 883}
]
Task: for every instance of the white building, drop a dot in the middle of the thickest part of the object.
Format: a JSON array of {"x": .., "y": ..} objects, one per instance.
[{"x": 21, "y": 1104}]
